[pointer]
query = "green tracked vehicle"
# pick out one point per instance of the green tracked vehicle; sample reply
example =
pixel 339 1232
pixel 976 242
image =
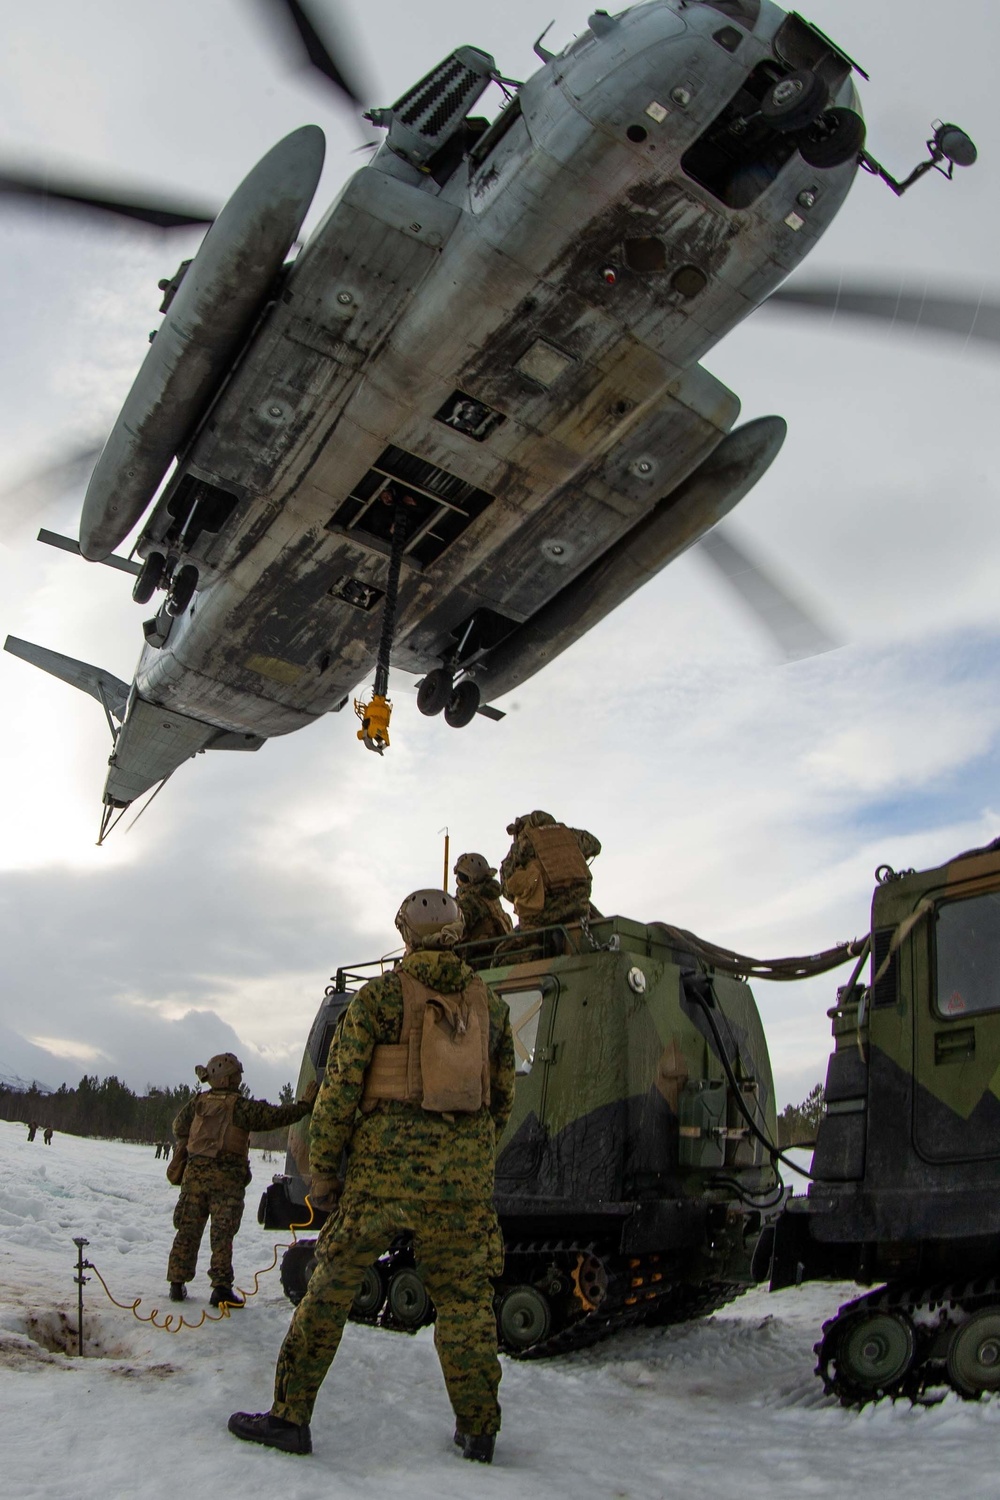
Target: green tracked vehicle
pixel 906 1170
pixel 630 1185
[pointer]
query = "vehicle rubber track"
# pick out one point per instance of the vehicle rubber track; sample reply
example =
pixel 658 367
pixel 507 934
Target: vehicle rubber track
pixel 903 1341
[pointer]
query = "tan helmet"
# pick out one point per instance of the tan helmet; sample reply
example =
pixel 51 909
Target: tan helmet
pixel 430 919
pixel 222 1069
pixel 536 819
pixel 473 867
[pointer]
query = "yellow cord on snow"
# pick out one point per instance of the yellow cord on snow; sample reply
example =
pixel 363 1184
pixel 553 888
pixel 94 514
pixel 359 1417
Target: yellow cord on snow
pixel 174 1322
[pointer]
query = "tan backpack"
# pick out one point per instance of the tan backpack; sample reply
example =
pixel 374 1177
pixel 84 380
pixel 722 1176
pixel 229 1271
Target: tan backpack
pixel 442 1059
pixel 213 1131
pixel 558 863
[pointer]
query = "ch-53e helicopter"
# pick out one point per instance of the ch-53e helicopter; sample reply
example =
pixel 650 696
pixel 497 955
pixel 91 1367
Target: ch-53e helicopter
pixel 469 418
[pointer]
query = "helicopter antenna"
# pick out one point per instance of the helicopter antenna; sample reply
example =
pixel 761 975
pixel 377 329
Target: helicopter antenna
pixel 444 881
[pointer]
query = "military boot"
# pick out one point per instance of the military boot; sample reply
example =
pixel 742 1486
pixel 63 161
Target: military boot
pixel 178 1291
pixel 225 1294
pixel 477 1446
pixel 273 1432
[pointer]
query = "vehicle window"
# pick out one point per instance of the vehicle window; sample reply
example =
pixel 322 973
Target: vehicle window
pixel 967 945
pixel 525 1007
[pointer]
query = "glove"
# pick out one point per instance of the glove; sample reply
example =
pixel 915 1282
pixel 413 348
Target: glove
pixel 310 1091
pixel 324 1192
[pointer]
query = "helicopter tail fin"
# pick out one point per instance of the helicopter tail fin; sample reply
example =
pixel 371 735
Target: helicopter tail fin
pixel 109 690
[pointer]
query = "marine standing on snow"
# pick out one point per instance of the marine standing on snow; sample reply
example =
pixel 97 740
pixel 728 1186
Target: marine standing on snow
pixel 418 1087
pixel 212 1165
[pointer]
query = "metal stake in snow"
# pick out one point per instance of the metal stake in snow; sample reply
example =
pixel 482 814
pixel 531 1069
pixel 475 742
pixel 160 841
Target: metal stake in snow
pixel 81 1281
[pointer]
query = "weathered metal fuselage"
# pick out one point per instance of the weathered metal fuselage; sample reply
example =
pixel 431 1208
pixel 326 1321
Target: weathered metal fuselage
pixel 519 344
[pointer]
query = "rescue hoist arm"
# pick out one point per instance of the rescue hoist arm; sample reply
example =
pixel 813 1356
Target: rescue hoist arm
pixel 376 713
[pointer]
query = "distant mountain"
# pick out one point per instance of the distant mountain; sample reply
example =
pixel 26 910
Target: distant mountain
pixel 15 1081
pixel 22 1062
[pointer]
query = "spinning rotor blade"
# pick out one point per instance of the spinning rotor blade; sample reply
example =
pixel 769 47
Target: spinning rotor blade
pixel 321 53
pixel 159 213
pixel 20 501
pixel 966 317
pixel 796 631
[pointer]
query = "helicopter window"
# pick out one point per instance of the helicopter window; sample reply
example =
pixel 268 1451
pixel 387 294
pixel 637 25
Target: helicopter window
pixel 525 1008
pixel 739 156
pixel 647 254
pixel 468 416
pixel 743 12
pixel 443 505
pixel 967 948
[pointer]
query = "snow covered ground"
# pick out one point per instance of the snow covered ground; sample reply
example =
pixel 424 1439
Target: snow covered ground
pixel 725 1407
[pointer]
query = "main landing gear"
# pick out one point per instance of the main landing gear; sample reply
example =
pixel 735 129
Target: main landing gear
pixel 158 572
pixel 459 701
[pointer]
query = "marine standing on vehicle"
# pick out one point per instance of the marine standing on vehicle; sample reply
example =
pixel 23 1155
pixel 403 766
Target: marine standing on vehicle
pixel 212 1166
pixel 478 896
pixel 419 1084
pixel 545 872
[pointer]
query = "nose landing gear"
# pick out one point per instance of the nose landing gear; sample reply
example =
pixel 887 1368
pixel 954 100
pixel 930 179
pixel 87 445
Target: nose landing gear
pixel 439 692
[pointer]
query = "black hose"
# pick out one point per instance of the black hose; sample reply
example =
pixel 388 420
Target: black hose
pixel 399 533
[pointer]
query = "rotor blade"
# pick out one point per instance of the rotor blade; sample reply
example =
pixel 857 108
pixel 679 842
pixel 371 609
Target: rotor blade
pixel 789 623
pixel 24 498
pixel 162 214
pixel 963 316
pixel 321 52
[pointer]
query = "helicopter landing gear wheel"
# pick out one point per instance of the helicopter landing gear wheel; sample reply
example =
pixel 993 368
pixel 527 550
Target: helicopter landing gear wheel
pixel 794 101
pixel 408 1300
pixel 974 1354
pixel 297 1266
pixel 872 1354
pixel 182 589
pixel 371 1294
pixel 838 136
pixel 435 692
pixel 464 703
pixel 524 1317
pixel 148 581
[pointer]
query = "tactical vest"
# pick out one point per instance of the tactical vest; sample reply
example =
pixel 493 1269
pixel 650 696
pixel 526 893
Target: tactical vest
pixel 558 863
pixel 491 922
pixel 212 1130
pixel 442 1059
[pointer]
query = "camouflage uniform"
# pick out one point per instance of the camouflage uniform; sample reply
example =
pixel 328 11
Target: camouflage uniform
pixel 407 1169
pixel 570 903
pixel 214 1187
pixel 479 901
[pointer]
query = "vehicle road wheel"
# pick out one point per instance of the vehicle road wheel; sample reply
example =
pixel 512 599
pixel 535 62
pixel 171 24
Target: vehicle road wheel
pixel 794 101
pixel 838 136
pixel 408 1299
pixel 148 581
pixel 464 703
pixel 524 1317
pixel 974 1354
pixel 297 1266
pixel 874 1352
pixel 182 589
pixel 434 693
pixel 371 1295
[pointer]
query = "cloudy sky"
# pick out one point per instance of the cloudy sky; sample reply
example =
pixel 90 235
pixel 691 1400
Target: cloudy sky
pixel 746 799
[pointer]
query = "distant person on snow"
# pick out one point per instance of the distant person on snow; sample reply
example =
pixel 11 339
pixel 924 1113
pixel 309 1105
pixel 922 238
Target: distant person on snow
pixel 212 1166
pixel 32 1130
pixel 47 1137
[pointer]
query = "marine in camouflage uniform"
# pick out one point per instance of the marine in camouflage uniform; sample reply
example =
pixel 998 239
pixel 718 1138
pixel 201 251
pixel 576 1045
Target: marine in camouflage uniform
pixel 539 901
pixel 214 1186
pixel 478 897
pixel 407 1169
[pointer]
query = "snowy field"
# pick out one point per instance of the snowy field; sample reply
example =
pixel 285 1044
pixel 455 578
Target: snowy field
pixel 725 1407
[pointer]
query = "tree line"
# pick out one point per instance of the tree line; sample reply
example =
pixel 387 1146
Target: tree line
pixel 109 1109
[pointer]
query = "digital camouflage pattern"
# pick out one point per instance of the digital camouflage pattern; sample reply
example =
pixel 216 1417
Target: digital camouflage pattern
pixel 570 903
pixel 406 1169
pixel 479 901
pixel 458 1247
pixel 215 1188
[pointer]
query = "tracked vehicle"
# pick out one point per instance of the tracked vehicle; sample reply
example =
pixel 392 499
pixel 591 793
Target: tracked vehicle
pixel 630 1187
pixel 906 1170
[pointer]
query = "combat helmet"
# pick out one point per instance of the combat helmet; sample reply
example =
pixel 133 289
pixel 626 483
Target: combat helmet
pixel 222 1069
pixel 430 919
pixel 536 819
pixel 473 867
